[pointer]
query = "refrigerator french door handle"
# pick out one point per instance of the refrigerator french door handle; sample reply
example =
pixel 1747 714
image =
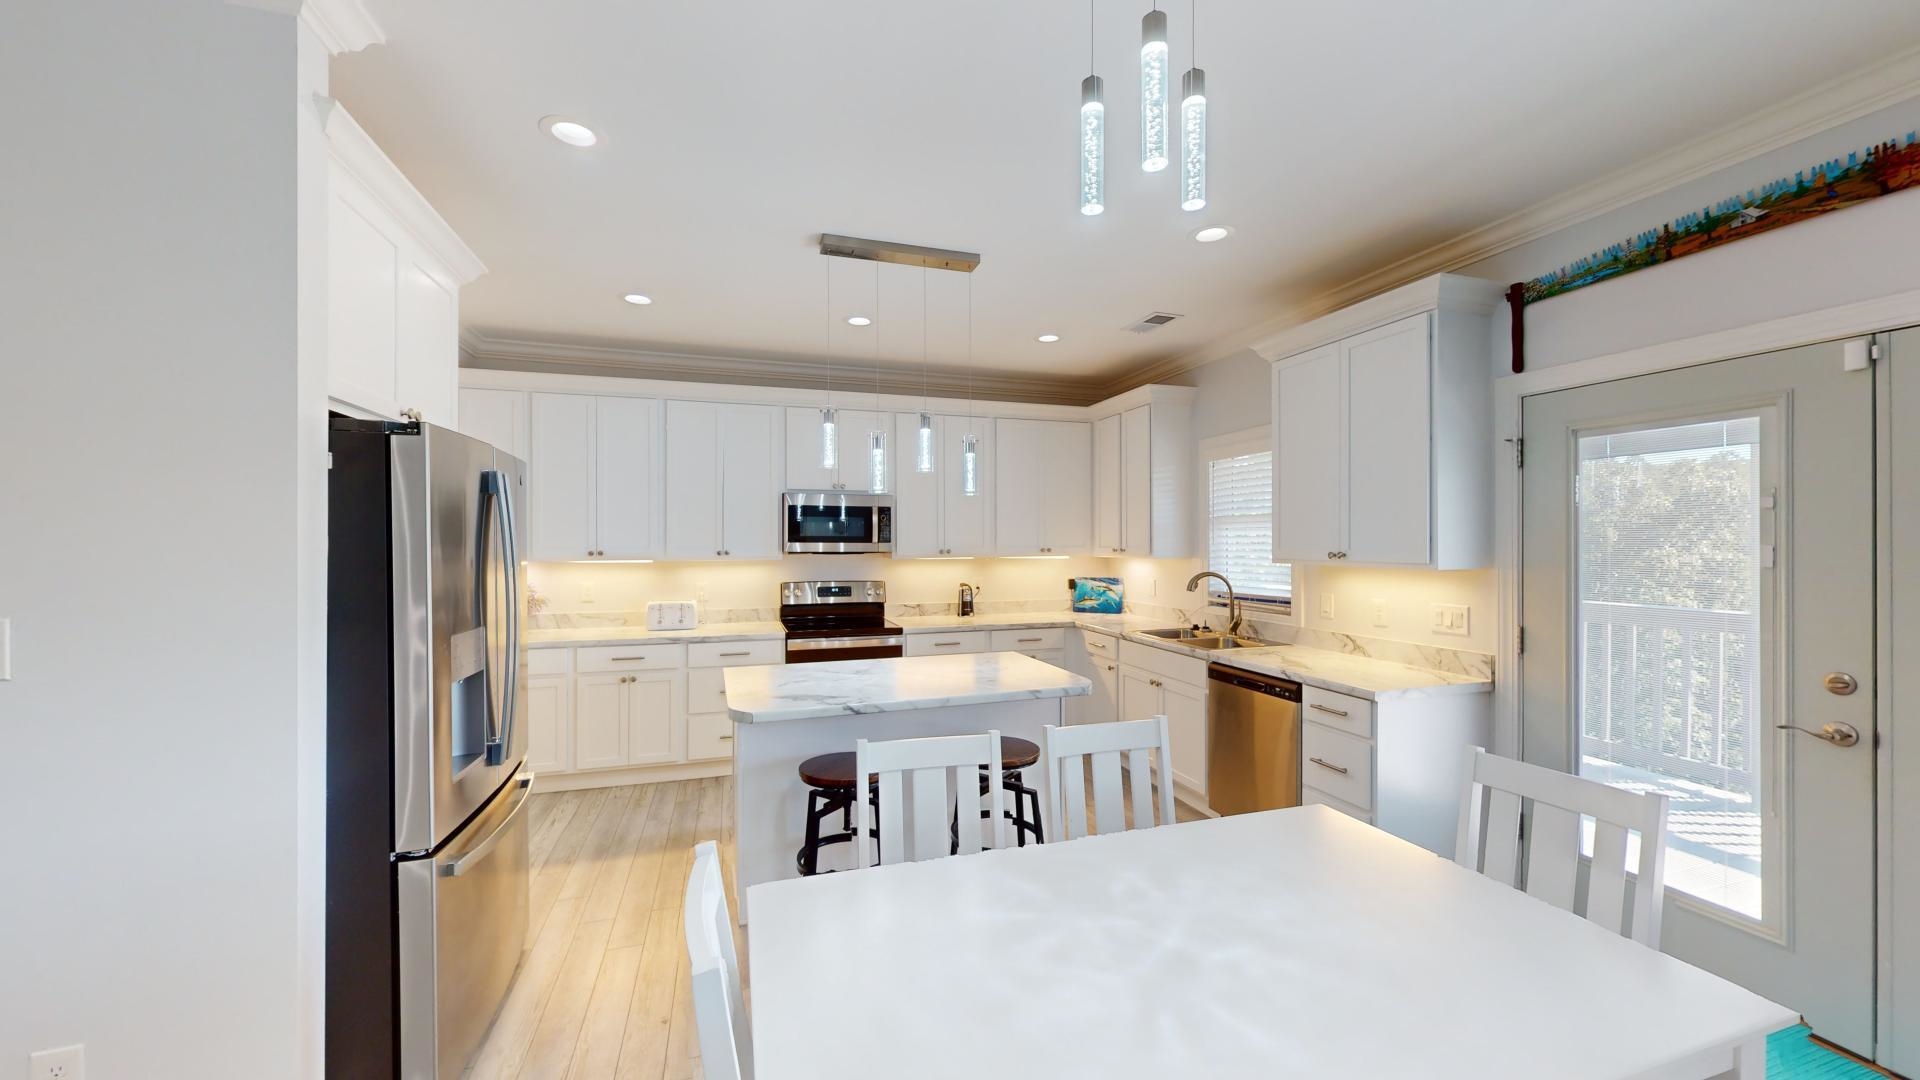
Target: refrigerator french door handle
pixel 497 514
pixel 497 755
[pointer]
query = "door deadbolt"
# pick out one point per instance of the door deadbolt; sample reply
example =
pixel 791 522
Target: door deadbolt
pixel 1840 683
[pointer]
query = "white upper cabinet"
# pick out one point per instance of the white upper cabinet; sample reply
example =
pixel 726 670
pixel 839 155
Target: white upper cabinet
pixel 593 478
pixel 933 515
pixel 394 272
pixel 1381 430
pixel 498 417
pixel 1143 474
pixel 723 480
pixel 1043 487
pixel 854 465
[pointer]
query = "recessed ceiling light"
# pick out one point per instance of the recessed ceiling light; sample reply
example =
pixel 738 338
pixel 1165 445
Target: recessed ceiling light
pixel 859 320
pixel 571 132
pixel 1049 338
pixel 640 299
pixel 1213 233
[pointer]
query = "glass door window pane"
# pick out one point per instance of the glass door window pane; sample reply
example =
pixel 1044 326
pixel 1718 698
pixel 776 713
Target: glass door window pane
pixel 1670 643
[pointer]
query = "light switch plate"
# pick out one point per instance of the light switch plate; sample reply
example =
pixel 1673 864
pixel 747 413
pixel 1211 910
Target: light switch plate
pixel 1326 605
pixel 1379 608
pixel 1451 619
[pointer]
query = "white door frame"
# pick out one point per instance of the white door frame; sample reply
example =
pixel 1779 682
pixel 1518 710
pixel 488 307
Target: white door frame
pixel 1889 312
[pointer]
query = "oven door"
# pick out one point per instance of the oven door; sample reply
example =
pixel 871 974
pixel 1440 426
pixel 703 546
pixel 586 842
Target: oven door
pixel 852 647
pixel 834 523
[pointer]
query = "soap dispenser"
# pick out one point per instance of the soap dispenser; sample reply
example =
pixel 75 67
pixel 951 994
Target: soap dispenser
pixel 967 593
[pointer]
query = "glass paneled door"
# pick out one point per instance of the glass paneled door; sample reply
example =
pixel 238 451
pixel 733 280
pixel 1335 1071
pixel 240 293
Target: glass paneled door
pixel 1697 561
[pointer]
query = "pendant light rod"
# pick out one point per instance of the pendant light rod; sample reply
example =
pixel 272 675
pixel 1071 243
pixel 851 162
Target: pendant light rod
pixel 853 247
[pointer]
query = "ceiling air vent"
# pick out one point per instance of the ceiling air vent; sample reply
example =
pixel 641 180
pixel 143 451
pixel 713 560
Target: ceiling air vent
pixel 1152 322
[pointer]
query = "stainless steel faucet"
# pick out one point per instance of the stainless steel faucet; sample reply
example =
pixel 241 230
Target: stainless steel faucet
pixel 1233 602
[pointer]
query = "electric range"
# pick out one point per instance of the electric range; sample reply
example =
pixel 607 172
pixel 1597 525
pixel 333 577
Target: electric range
pixel 837 620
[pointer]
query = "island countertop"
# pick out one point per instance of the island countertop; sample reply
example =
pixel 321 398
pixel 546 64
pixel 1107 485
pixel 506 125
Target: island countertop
pixel 759 695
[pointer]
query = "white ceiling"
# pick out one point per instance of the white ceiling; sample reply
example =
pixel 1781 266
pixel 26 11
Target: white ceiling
pixel 1343 137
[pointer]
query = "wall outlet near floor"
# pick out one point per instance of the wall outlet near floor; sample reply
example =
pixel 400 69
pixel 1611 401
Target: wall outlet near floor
pixel 1379 610
pixel 1326 605
pixel 65 1063
pixel 1451 619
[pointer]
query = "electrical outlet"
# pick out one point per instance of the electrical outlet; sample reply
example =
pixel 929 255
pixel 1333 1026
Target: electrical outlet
pixel 586 592
pixel 65 1063
pixel 1451 619
pixel 1379 611
pixel 700 592
pixel 1326 605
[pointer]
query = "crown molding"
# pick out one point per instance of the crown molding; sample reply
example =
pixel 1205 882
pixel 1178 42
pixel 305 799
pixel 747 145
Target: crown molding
pixel 1828 105
pixel 487 350
pixel 357 153
pixel 343 26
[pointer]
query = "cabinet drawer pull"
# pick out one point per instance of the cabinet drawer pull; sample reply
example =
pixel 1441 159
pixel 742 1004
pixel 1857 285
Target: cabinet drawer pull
pixel 623 659
pixel 726 738
pixel 1341 769
pixel 1109 667
pixel 1092 644
pixel 1031 640
pixel 1155 682
pixel 1328 709
pixel 724 655
pixel 946 644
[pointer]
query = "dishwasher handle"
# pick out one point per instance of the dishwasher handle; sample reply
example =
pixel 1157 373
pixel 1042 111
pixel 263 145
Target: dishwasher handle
pixel 1284 689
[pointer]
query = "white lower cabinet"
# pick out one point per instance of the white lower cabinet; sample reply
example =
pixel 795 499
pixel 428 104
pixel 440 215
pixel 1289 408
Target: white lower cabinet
pixel 600 721
pixel 549 723
pixel 1095 656
pixel 628 719
pixel 1385 762
pixel 709 728
pixel 1155 682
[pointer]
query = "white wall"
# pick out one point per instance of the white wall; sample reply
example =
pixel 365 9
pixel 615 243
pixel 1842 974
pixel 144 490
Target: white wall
pixel 151 554
pixel 1858 253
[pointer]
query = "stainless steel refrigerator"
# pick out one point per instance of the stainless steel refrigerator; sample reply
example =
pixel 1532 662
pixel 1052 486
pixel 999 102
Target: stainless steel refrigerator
pixel 426 794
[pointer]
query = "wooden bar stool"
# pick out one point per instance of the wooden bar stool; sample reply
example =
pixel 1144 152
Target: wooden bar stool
pixel 1016 754
pixel 829 780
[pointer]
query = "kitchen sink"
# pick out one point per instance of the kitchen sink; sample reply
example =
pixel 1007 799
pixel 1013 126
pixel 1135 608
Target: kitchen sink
pixel 1210 640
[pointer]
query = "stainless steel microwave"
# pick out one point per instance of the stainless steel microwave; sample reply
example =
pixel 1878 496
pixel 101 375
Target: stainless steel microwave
pixel 837 523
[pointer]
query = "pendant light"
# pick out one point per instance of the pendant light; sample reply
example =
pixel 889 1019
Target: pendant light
pixel 969 442
pixel 1093 134
pixel 829 421
pixel 877 438
pixel 1193 130
pixel 1153 91
pixel 923 447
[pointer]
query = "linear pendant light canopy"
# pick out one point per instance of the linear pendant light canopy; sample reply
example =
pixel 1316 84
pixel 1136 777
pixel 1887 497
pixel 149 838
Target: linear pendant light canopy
pixel 853 247
pixel 1153 91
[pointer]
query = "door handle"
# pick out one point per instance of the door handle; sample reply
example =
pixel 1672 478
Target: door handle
pixel 1837 733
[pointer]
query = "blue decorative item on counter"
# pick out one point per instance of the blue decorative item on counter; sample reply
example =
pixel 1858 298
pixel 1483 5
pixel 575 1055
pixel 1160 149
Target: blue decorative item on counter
pixel 1098 595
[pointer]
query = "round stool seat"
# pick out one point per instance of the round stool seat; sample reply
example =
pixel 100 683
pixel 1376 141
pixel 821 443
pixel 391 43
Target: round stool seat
pixel 833 771
pixel 1014 753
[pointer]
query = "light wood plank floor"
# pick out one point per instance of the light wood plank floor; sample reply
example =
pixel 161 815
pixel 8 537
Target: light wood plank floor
pixel 603 992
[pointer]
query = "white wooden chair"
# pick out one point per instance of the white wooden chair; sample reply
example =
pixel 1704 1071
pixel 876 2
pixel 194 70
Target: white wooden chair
pixel 1553 839
pixel 1067 747
pixel 940 776
pixel 719 1013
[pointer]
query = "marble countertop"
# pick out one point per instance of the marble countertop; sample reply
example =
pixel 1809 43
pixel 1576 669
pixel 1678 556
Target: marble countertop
pixel 767 694
pixel 1026 620
pixel 639 635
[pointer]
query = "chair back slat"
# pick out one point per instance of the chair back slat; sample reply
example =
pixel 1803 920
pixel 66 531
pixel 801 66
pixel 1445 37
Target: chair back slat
pixel 1607 877
pixel 1109 812
pixel 1560 800
pixel 1071 751
pixel 719 1009
pixel 1502 862
pixel 1553 855
pixel 925 781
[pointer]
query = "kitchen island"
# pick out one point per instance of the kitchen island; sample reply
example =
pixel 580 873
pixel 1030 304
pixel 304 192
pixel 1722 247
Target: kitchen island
pixel 785 714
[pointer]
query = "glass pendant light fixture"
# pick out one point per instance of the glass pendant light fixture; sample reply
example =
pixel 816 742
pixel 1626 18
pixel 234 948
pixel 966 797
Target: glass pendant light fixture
pixel 923 446
pixel 1193 127
pixel 1093 134
pixel 1153 91
pixel 969 442
pixel 829 426
pixel 877 438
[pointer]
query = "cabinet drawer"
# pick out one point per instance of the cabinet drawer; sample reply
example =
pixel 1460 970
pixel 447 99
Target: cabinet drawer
pixel 1310 796
pixel 1338 711
pixel 709 736
pixel 1338 764
pixel 707 690
pixel 549 661
pixel 630 657
pixel 1100 646
pixel 736 653
pixel 970 641
pixel 1171 665
pixel 1042 637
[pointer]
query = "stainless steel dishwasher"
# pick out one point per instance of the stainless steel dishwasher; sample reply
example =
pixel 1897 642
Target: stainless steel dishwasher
pixel 1253 741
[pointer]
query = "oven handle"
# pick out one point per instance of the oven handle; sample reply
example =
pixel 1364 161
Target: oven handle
pixel 807 644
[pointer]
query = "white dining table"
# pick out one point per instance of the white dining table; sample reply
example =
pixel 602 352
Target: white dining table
pixel 1294 942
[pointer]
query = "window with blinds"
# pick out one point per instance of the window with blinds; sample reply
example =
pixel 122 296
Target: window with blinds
pixel 1240 530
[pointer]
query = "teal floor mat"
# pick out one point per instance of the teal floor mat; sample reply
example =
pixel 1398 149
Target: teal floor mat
pixel 1791 1055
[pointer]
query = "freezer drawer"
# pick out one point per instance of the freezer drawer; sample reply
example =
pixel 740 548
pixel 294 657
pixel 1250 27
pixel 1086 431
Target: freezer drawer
pixel 463 928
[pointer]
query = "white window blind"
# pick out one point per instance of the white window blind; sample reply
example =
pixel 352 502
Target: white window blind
pixel 1240 529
